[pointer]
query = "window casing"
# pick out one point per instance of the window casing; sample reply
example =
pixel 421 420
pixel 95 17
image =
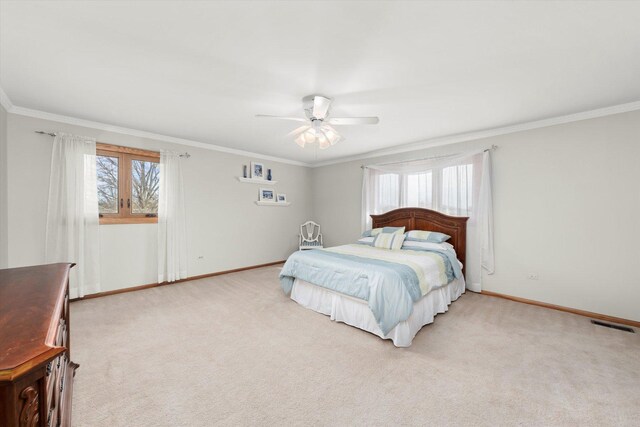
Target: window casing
pixel 128 184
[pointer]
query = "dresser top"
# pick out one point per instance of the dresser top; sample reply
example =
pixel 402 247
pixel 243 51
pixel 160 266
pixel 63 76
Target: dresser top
pixel 31 299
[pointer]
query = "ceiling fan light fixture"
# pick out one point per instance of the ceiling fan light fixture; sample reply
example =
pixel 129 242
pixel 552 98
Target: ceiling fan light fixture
pixel 332 136
pixel 300 140
pixel 323 143
pixel 323 140
pixel 317 127
pixel 309 136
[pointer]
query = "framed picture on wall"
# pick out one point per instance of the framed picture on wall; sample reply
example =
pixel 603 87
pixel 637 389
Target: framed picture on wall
pixel 257 170
pixel 281 198
pixel 267 195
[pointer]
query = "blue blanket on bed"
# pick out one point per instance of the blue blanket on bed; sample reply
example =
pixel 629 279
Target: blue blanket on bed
pixel 390 288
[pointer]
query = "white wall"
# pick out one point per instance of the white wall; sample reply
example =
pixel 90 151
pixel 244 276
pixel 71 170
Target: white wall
pixel 3 188
pixel 566 202
pixel 224 225
pixel 566 206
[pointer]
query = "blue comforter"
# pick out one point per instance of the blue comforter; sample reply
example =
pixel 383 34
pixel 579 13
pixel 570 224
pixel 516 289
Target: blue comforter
pixel 389 280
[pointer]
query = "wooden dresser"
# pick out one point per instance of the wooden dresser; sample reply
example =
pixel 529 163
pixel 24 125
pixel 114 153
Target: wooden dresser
pixel 36 372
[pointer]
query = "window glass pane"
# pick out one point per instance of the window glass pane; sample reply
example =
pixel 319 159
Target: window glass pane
pixel 144 187
pixel 419 190
pixel 107 177
pixel 388 192
pixel 457 189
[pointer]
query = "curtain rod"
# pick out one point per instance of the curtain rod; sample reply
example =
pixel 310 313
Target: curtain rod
pixel 54 134
pixel 492 148
pixel 46 133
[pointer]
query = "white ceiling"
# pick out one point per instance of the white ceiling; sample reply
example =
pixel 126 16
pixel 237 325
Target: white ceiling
pixel 202 70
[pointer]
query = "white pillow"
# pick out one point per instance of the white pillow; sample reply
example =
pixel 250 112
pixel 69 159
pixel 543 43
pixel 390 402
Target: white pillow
pixel 366 241
pixel 372 233
pixel 389 240
pixel 411 244
pixel 427 236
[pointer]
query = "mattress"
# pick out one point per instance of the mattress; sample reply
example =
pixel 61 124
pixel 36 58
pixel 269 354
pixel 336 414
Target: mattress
pixel 356 312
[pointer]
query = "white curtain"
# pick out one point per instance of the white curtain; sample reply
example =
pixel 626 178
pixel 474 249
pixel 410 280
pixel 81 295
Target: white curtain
pixel 72 230
pixel 172 236
pixel 458 185
pixel 485 216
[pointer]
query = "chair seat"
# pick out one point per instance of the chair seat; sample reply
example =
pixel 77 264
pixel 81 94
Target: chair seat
pixel 311 245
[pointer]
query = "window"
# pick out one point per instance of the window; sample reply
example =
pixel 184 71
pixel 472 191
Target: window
pixel 144 186
pixel 457 190
pixel 128 184
pixel 447 189
pixel 420 190
pixel 107 177
pixel 389 192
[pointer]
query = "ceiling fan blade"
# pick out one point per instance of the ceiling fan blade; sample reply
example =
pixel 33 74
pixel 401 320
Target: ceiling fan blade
pixel 353 120
pixel 298 130
pixel 267 116
pixel 326 128
pixel 320 106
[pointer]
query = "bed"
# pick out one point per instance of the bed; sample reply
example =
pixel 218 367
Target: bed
pixel 389 293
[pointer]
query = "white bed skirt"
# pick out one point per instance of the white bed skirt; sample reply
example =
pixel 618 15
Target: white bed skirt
pixel 356 312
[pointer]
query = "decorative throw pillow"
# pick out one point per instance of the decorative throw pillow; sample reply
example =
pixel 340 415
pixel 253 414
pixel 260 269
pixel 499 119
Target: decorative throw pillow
pixel 389 241
pixel 399 230
pixel 366 241
pixel 372 233
pixel 426 236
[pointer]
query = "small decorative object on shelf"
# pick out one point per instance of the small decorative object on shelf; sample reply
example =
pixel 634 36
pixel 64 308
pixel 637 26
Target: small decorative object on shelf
pixel 257 170
pixel 281 198
pixel 267 195
pixel 244 171
pixel 269 174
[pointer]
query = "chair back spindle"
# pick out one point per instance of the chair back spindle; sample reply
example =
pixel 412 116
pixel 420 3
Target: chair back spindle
pixel 310 236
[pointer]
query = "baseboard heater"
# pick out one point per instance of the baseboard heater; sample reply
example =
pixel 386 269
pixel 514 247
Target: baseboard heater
pixel 612 326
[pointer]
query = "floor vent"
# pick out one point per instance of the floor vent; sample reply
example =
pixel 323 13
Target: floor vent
pixel 612 326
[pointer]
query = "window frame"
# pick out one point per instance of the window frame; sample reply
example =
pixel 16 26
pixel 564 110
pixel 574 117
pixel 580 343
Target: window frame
pixel 125 157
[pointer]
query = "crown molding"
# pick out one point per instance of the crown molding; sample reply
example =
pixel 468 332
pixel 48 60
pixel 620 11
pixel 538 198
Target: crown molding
pixel 5 101
pixel 13 109
pixel 404 148
pixel 486 133
pixel 150 135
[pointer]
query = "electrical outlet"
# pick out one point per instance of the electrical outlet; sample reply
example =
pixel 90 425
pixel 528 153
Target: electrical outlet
pixel 532 276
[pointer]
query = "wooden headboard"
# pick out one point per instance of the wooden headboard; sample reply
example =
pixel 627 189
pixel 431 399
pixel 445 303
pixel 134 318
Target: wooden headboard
pixel 425 219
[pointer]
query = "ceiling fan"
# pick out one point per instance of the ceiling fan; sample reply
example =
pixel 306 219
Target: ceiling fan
pixel 317 127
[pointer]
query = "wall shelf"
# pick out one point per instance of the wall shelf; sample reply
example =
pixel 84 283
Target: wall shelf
pixel 264 203
pixel 256 181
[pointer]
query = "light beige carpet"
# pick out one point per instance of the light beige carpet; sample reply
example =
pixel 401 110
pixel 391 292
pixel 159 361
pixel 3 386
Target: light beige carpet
pixel 233 350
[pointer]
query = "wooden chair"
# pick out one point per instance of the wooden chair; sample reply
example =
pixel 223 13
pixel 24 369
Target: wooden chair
pixel 310 237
